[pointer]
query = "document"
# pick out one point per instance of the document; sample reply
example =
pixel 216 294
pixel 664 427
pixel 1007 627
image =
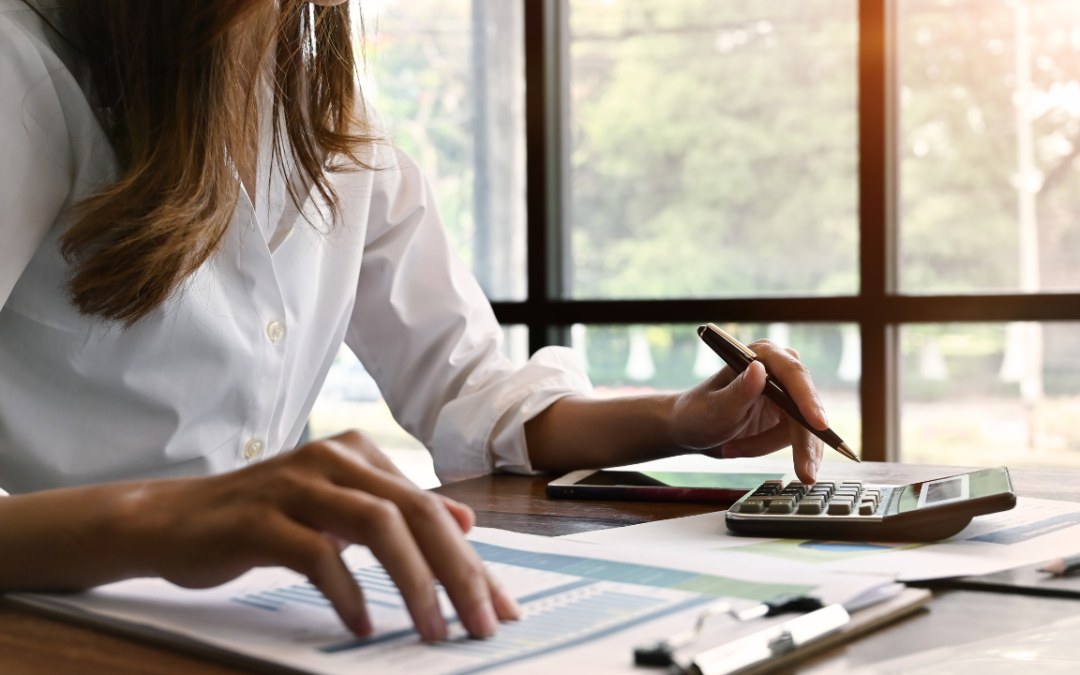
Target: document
pixel 1034 531
pixel 1047 650
pixel 584 609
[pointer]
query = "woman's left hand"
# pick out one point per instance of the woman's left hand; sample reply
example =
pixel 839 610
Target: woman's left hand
pixel 728 416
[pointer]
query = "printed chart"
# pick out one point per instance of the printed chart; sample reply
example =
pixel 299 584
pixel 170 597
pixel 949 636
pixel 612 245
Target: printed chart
pixel 582 606
pixel 584 599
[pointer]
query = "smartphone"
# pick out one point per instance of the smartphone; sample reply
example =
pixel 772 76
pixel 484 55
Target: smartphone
pixel 658 486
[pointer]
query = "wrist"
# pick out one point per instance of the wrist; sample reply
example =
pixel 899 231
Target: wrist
pixel 669 421
pixel 126 526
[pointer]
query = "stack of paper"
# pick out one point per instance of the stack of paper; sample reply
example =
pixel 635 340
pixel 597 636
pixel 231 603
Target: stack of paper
pixel 1035 531
pixel 585 608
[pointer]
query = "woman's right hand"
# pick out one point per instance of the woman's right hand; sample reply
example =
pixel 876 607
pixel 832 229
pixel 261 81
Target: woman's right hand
pixel 293 510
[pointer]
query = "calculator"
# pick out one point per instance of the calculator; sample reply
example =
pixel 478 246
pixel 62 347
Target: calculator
pixel 857 511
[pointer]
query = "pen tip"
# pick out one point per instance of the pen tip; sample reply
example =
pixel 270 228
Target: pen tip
pixel 846 452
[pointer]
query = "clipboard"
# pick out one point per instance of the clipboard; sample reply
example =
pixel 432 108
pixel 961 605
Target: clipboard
pixel 807 635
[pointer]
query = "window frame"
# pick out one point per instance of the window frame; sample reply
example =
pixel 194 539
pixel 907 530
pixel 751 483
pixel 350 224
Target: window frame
pixel 878 309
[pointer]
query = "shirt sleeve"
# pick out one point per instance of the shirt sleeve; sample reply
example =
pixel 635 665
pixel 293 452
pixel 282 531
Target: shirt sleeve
pixel 425 331
pixel 36 154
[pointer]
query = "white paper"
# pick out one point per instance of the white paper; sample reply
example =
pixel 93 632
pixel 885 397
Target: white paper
pixel 1034 531
pixel 585 608
pixel 1046 650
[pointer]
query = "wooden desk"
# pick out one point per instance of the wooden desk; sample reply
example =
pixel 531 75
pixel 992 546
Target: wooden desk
pixel 34 645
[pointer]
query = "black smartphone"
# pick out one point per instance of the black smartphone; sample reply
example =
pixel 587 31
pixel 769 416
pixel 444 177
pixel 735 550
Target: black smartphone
pixel 658 486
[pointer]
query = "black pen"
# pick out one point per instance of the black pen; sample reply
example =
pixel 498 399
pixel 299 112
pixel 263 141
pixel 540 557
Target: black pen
pixel 739 357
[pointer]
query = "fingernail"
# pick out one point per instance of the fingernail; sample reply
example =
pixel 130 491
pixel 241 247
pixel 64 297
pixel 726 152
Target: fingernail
pixel 511 608
pixel 434 628
pixel 823 416
pixel 362 626
pixel 811 470
pixel 484 622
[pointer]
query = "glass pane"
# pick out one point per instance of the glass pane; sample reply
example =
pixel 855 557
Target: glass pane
pixel 629 360
pixel 991 394
pixel 448 81
pixel 714 148
pixel 990 141
pixel 350 399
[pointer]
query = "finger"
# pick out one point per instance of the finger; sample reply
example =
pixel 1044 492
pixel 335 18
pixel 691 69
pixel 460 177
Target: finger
pixel 450 557
pixel 786 368
pixel 378 524
pixel 360 445
pixel 807 451
pixel 506 607
pixel 453 560
pixel 316 557
pixel 736 399
pixel 462 513
pixel 772 439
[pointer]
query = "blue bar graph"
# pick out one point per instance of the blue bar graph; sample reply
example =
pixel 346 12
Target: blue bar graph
pixel 586 599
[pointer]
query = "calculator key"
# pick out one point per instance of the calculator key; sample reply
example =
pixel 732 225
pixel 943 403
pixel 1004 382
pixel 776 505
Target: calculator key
pixel 782 505
pixel 851 483
pixel 867 508
pixel 811 507
pixel 841 507
pixel 752 506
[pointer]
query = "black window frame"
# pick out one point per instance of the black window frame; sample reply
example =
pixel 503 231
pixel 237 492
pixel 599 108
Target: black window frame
pixel 878 309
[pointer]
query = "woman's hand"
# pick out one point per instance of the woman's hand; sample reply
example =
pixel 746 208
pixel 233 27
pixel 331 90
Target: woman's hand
pixel 728 416
pixel 294 510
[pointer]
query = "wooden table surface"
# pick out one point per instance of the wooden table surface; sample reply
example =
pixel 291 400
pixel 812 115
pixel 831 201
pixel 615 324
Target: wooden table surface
pixel 31 644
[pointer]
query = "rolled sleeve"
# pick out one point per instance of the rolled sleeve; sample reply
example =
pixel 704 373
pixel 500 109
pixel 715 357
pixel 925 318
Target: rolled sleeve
pixel 483 431
pixel 424 330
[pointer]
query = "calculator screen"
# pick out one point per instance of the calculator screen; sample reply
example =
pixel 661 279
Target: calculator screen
pixel 953 489
pixel 944 491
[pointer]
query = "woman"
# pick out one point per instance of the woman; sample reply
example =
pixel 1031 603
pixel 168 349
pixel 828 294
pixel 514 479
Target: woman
pixel 197 210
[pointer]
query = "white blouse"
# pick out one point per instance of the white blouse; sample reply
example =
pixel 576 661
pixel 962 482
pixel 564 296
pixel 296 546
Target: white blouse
pixel 226 372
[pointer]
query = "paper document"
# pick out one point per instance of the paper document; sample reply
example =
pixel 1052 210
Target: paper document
pixel 584 609
pixel 1034 531
pixel 1047 650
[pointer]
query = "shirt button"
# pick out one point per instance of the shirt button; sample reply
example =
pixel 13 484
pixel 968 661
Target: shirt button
pixel 253 448
pixel 275 330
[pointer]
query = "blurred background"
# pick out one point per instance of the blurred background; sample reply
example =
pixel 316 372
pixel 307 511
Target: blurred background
pixel 712 151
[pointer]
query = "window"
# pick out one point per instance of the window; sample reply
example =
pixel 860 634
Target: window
pixel 893 186
pixel 447 78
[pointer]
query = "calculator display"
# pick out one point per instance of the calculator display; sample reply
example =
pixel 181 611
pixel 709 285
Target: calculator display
pixel 953 489
pixel 945 491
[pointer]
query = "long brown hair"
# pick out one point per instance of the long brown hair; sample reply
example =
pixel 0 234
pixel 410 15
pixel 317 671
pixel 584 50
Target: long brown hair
pixel 177 79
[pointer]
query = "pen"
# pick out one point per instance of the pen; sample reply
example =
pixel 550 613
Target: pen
pixel 739 357
pixel 1062 566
